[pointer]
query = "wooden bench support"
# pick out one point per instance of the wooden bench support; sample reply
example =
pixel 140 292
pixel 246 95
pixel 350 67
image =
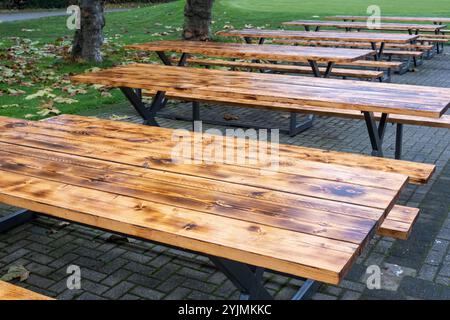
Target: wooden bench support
pixel 15 219
pixel 12 292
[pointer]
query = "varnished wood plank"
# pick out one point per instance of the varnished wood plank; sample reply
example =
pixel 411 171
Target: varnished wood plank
pixel 364 25
pixel 56 168
pixel 392 18
pixel 399 222
pixel 11 292
pixel 282 250
pixel 325 35
pixel 229 85
pixel 338 72
pixel 418 172
pixel 250 51
pixel 150 154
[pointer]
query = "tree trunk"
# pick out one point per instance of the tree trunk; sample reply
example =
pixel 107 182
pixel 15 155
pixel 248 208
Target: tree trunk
pixel 197 20
pixel 89 39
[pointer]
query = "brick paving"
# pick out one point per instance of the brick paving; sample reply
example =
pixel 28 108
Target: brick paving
pixel 118 268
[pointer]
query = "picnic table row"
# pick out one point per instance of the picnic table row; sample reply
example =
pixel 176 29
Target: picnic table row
pixel 310 216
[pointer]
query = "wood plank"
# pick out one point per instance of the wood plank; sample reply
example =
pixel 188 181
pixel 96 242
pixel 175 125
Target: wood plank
pixel 364 25
pixel 379 97
pixel 418 172
pixel 341 44
pixel 282 250
pixel 9 291
pixel 150 154
pixel 399 222
pixel 355 73
pixel 250 51
pixel 56 167
pixel 392 18
pixel 325 35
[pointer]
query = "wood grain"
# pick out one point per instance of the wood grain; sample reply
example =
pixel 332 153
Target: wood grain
pixel 291 158
pixel 253 51
pixel 392 18
pixel 399 223
pixel 9 291
pixel 364 25
pixel 325 35
pixel 229 86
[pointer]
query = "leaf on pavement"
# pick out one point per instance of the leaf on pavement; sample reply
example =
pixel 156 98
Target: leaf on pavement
pixel 16 272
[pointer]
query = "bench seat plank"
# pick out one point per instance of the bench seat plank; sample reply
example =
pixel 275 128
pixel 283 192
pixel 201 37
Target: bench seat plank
pixel 398 224
pixel 231 86
pixel 11 292
pixel 366 74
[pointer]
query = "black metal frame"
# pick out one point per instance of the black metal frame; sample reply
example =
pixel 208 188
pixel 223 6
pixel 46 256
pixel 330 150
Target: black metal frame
pixel 247 278
pixel 376 133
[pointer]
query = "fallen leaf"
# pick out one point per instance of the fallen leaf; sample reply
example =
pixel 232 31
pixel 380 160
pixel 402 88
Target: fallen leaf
pixel 16 272
pixel 228 117
pixel 64 100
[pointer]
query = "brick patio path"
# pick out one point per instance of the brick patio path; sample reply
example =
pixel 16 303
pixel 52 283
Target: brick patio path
pixel 418 268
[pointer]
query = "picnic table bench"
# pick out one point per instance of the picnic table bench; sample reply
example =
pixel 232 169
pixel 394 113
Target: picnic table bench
pixel 435 20
pixel 348 26
pixel 272 91
pixel 9 291
pixel 305 218
pixel 376 40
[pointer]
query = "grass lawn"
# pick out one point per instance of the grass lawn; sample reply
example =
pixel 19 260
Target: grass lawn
pixel 34 71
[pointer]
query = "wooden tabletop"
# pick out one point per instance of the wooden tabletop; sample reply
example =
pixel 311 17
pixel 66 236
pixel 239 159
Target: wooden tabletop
pixel 389 18
pixel 254 51
pixel 363 25
pixel 326 35
pixel 11 292
pixel 309 219
pixel 230 86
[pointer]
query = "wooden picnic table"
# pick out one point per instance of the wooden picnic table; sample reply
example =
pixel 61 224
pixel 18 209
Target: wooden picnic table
pixel 411 28
pixel 377 40
pixel 305 218
pixel 436 20
pixel 312 55
pixel 271 91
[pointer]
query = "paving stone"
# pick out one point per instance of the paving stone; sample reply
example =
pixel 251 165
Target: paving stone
pixel 351 295
pixel 179 293
pixel 321 296
pixel 119 290
pixel 428 272
pixel 147 293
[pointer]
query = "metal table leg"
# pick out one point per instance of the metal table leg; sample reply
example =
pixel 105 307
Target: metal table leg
pixel 147 113
pixel 399 141
pixel 376 133
pixel 249 280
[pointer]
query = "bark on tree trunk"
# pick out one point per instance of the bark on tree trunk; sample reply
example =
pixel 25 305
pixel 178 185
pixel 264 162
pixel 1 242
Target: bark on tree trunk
pixel 197 20
pixel 89 39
